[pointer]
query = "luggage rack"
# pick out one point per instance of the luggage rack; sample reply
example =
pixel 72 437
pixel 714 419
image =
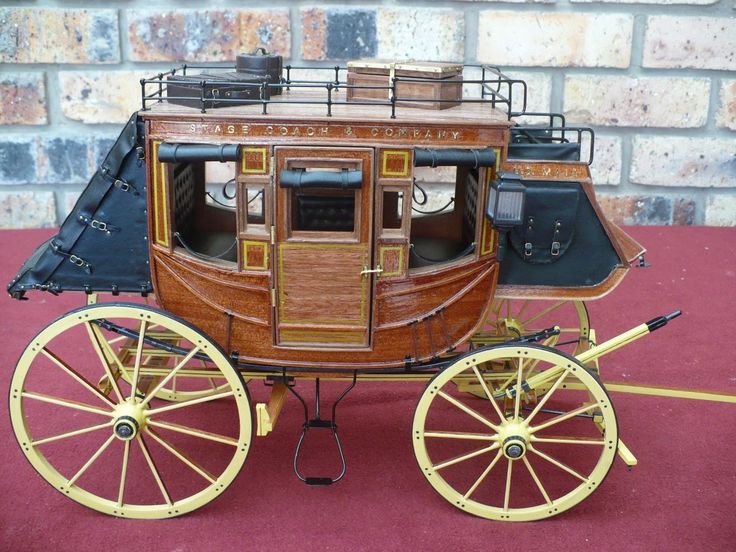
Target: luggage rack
pixel 496 89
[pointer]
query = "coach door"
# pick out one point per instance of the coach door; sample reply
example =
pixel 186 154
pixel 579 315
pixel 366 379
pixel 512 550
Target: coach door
pixel 324 277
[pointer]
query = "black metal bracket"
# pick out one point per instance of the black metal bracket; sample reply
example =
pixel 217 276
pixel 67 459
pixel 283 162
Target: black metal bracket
pixel 319 423
pixel 539 336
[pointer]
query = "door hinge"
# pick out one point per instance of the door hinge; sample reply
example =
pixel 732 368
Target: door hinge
pixel 273 235
pixel 273 297
pixel 272 168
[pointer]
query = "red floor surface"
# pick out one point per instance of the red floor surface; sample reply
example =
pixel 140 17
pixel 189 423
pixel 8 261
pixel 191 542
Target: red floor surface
pixel 682 496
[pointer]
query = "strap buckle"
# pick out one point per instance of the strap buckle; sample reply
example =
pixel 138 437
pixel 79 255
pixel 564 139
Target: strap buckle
pixel 99 225
pixel 77 260
pixel 122 184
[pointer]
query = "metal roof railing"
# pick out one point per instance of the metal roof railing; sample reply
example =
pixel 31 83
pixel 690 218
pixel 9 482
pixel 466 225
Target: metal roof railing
pixel 495 89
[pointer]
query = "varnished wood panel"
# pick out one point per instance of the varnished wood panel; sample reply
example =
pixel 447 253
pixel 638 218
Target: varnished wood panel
pixel 222 295
pixel 320 283
pixel 440 328
pixel 631 248
pixel 345 132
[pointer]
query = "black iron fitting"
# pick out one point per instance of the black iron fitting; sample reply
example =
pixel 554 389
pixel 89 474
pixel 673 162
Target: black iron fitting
pixel 660 321
pixel 539 336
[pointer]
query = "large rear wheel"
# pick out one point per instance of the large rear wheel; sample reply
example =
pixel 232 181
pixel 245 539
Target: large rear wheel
pixel 121 450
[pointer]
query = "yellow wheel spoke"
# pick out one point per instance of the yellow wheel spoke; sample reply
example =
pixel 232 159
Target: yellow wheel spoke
pixel 483 475
pixel 194 432
pixel 517 398
pixel 546 397
pixel 543 313
pixel 488 393
pixel 170 375
pixel 91 461
pixel 77 376
pixel 559 464
pixel 95 338
pixel 563 417
pixel 66 403
pixel 465 457
pixel 469 411
pixel 507 491
pixel 167 408
pixel 568 440
pixel 536 480
pixel 181 456
pixel 138 355
pixel 123 473
pixel 81 431
pixel 154 471
pixel 458 435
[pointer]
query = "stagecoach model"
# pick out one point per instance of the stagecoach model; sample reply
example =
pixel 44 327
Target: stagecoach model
pixel 291 226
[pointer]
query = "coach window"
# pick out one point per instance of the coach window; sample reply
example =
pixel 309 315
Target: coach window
pixel 204 201
pixel 394 209
pixel 443 215
pixel 254 207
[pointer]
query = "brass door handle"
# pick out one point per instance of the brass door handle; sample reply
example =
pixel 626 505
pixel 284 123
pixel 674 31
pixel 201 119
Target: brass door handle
pixel 367 270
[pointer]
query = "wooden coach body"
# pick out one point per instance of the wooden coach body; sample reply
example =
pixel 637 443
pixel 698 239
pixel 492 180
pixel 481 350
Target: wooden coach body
pixel 340 297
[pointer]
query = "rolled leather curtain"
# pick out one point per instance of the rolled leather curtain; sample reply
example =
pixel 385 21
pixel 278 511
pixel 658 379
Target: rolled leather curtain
pixel 321 179
pixel 566 151
pixel 189 153
pixel 475 158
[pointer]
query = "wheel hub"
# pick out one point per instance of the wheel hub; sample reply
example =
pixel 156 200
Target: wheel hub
pixel 129 421
pixel 514 438
pixel 514 447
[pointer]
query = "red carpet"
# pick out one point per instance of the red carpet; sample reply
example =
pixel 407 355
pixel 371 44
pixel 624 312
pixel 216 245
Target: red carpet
pixel 682 496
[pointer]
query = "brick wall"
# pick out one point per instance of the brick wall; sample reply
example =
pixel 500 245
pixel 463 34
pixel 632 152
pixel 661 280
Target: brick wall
pixel 656 78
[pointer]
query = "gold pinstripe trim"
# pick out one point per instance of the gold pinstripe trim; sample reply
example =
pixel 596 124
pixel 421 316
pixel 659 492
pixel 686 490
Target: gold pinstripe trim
pixel 488 237
pixel 384 162
pixel 160 206
pixel 323 336
pixel 263 169
pixel 253 243
pixel 383 249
